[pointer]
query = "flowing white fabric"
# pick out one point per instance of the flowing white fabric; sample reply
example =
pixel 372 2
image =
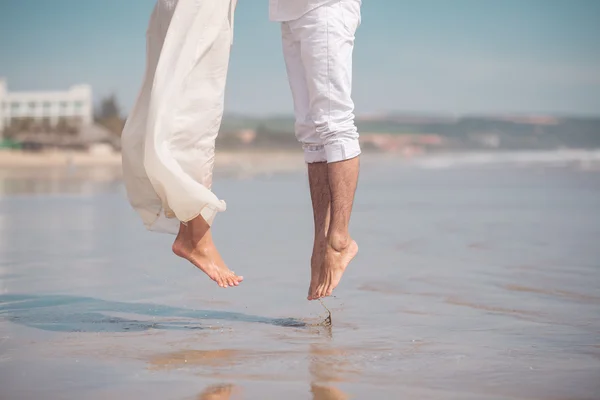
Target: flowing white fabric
pixel 168 143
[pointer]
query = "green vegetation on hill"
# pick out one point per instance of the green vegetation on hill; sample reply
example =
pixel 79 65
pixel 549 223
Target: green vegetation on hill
pixel 468 132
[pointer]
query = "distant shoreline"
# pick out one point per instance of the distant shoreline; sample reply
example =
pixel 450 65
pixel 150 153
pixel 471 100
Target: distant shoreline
pixel 243 162
pixel 24 159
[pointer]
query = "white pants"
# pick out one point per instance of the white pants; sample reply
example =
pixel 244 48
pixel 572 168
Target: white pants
pixel 317 48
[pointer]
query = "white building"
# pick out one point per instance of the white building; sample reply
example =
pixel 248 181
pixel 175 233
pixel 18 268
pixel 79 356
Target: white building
pixel 74 104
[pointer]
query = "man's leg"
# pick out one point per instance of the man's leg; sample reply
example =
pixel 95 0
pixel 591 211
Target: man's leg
pixel 327 42
pixel 321 200
pixel 314 151
pixel 341 248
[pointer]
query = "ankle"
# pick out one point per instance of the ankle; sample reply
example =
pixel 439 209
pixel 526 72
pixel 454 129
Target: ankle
pixel 180 247
pixel 339 241
pixel 320 237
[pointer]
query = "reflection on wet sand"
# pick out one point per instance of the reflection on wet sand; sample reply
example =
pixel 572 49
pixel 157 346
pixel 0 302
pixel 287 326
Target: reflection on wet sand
pixel 500 310
pixel 209 358
pixel 554 292
pixel 328 365
pixel 389 288
pixel 327 393
pixel 217 392
pixel 222 363
pixel 414 312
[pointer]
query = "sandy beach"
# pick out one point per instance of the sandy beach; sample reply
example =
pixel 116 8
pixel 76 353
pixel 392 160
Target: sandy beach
pixel 75 171
pixel 471 283
pixel 274 161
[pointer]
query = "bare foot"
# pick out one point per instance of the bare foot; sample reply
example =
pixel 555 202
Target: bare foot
pixel 316 264
pixel 336 260
pixel 204 255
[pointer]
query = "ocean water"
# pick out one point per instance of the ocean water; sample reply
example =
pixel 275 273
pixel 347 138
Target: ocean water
pixel 478 277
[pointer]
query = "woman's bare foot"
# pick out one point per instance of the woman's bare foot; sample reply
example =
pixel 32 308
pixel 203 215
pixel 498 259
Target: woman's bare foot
pixel 338 255
pixel 194 243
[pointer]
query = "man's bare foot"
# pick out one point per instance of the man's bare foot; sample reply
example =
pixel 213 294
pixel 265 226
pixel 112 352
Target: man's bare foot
pixel 316 264
pixel 204 255
pixel 337 258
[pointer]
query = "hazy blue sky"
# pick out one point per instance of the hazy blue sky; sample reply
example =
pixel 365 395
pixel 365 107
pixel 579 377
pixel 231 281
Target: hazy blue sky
pixel 452 56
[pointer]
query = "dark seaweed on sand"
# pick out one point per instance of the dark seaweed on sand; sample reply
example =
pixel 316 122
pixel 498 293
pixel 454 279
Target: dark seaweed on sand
pixel 327 321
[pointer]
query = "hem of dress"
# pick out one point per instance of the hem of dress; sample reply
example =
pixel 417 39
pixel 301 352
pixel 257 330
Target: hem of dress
pixel 213 211
pixel 160 223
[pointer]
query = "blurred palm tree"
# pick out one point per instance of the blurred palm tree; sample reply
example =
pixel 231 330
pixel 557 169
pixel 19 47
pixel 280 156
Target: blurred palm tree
pixel 109 115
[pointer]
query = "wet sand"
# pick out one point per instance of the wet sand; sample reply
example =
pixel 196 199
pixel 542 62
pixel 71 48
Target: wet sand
pixel 471 283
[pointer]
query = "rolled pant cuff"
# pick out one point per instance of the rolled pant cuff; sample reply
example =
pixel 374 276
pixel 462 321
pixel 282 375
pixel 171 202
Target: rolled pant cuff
pixel 342 151
pixel 314 153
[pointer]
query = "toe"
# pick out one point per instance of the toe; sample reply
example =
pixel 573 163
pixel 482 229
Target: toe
pixel 315 293
pixel 312 292
pixel 231 279
pixel 319 292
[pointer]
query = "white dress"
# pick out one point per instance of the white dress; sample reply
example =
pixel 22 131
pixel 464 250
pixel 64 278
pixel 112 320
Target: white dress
pixel 168 143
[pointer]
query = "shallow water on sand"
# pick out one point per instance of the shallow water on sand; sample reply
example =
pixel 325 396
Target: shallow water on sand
pixel 471 283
